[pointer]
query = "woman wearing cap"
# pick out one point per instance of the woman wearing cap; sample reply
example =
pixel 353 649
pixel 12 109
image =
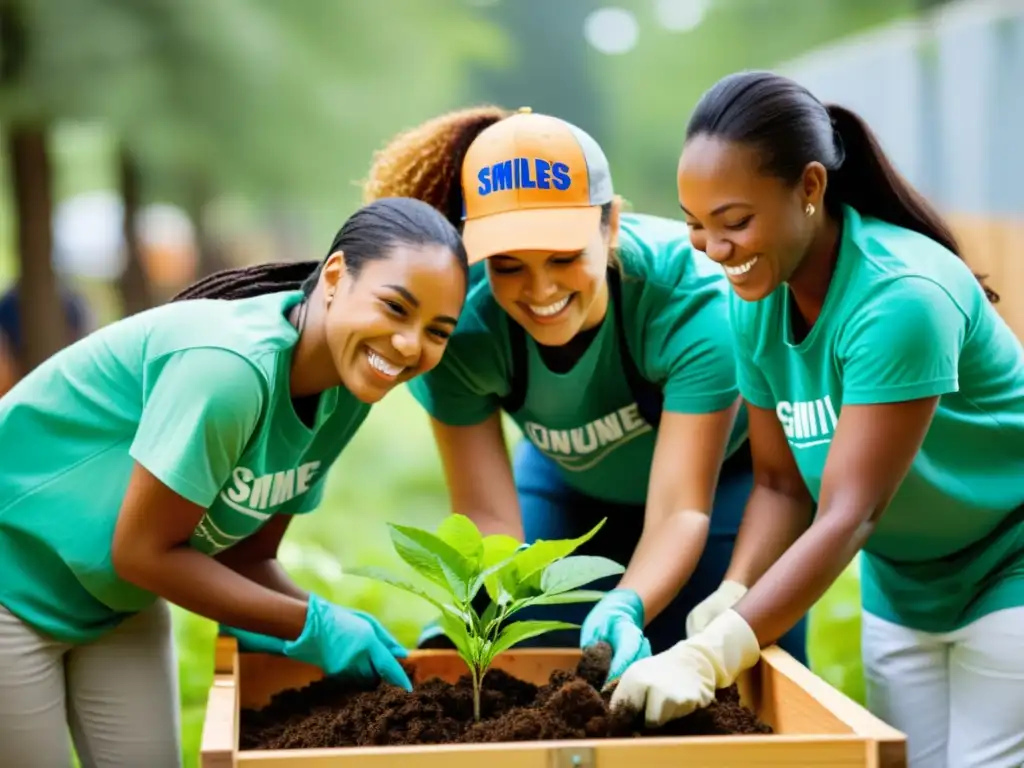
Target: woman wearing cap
pixel 604 336
pixel 881 385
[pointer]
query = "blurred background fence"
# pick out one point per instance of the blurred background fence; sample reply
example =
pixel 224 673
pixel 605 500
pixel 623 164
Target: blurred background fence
pixel 146 144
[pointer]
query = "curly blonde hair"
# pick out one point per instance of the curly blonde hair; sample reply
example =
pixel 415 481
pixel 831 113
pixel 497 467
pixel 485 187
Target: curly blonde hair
pixel 425 162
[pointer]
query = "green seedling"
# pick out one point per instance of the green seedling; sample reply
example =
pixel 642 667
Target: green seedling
pixel 456 562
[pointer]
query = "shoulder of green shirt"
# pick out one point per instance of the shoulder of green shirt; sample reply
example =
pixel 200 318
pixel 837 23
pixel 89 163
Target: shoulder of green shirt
pixel 675 306
pixel 250 327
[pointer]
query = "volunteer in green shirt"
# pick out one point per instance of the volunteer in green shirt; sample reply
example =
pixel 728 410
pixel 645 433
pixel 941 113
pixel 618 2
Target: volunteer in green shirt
pixel 603 335
pixel 883 386
pixel 162 457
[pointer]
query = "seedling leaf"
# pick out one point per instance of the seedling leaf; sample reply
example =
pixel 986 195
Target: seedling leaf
pixel 432 556
pixel 460 561
pixel 542 553
pixel 577 571
pixel 458 633
pixel 562 598
pixel 459 532
pixel 379 574
pixel 524 630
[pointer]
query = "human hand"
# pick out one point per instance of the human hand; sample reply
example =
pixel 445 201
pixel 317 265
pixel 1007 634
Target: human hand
pixel 349 643
pixel 722 599
pixel 684 678
pixel 618 619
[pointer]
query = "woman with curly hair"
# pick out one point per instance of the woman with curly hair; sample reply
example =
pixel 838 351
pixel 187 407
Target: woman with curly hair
pixel 604 336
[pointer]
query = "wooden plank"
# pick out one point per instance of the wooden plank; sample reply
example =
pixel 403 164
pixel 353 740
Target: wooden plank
pixel 795 700
pixel 219 740
pixel 792 682
pixel 816 725
pixel 225 655
pixel 701 752
pixel 264 674
pixel 994 246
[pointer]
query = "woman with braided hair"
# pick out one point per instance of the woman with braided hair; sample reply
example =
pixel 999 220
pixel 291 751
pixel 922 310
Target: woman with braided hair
pixel 600 333
pixel 161 458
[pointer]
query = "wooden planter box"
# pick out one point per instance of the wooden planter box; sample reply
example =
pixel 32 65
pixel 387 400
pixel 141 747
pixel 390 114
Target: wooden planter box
pixel 815 725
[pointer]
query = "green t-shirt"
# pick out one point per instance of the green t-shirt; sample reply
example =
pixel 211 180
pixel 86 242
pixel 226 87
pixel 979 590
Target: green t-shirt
pixel 675 307
pixel 904 318
pixel 197 393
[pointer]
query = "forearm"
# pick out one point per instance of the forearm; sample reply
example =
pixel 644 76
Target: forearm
pixel 486 494
pixel 665 558
pixel 772 522
pixel 492 524
pixel 802 575
pixel 209 588
pixel 270 574
pixel 492 505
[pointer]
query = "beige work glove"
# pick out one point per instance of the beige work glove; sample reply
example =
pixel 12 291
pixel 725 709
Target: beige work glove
pixel 684 678
pixel 722 599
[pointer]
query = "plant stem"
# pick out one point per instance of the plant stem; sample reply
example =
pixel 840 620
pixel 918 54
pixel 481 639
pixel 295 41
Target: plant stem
pixel 477 681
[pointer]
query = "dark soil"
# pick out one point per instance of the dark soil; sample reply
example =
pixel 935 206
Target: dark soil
pixel 330 714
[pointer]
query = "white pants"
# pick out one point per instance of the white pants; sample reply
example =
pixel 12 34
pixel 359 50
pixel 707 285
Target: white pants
pixel 958 696
pixel 117 695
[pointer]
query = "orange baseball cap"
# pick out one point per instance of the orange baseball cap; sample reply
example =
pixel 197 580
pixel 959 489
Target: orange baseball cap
pixel 532 182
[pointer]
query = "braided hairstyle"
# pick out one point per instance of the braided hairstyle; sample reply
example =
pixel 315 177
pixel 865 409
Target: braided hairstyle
pixel 369 234
pixel 425 162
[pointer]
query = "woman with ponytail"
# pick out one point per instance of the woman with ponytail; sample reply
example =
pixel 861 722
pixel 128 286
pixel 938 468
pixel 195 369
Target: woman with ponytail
pixel 160 459
pixel 599 332
pixel 882 387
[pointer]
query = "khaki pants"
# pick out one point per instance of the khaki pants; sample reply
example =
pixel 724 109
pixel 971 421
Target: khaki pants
pixel 958 696
pixel 118 696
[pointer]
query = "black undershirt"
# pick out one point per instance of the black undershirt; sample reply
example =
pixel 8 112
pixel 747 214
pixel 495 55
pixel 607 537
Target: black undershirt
pixel 562 359
pixel 306 407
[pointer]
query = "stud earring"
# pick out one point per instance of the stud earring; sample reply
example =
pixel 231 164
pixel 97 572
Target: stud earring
pixel 809 210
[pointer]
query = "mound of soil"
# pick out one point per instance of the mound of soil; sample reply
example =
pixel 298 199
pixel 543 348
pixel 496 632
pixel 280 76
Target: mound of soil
pixel 328 713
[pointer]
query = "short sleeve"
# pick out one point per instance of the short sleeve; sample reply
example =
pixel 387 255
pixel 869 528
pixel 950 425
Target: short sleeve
pixel 197 418
pixel 750 378
pixel 310 500
pixel 903 344
pixel 464 388
pixel 688 345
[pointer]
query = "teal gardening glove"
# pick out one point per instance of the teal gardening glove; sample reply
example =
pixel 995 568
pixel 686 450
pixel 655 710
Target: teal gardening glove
pixel 253 642
pixel 618 619
pixel 348 643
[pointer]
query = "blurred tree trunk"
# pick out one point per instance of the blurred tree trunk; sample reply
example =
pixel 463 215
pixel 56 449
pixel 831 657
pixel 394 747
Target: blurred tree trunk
pixel 43 325
pixel 208 256
pixel 44 330
pixel 136 293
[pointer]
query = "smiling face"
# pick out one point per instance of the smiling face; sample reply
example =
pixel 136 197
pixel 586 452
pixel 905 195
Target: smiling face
pixel 554 296
pixel 753 224
pixel 392 321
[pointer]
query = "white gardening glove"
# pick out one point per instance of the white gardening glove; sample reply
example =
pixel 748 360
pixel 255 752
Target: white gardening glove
pixel 722 599
pixel 674 683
